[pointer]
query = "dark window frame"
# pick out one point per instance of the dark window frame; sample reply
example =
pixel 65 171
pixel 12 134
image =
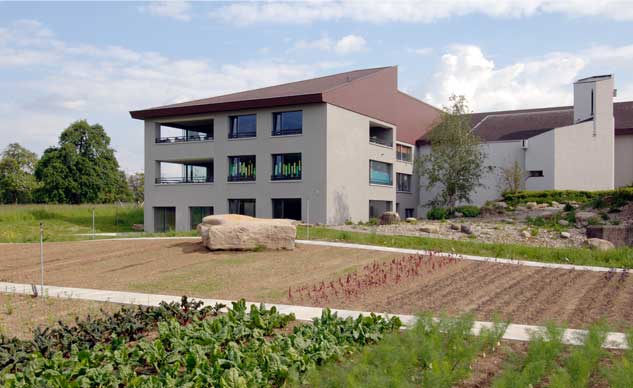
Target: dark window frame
pixel 235 133
pixel 284 215
pixel 378 182
pixel 293 174
pixel 535 174
pixel 278 117
pixel 239 177
pixel 191 215
pixel 240 204
pixel 164 225
pixel 399 187
pixel 399 153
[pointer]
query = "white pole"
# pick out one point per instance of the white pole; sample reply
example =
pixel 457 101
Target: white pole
pixel 93 223
pixel 42 256
pixel 308 219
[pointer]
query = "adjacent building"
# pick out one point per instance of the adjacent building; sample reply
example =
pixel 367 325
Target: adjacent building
pixel 341 147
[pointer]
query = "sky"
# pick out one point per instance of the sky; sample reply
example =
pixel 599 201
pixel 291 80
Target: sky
pixel 61 62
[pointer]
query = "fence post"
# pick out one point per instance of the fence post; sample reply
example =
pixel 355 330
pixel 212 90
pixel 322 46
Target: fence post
pixel 308 219
pixel 42 256
pixel 93 223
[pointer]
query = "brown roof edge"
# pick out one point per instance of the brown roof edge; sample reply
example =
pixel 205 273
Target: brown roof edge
pixel 420 101
pixel 226 106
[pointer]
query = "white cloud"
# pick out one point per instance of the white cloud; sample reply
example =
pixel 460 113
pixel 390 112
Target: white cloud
pixel 346 45
pixel 67 82
pixel 350 44
pixel 538 82
pixel 175 9
pixel 414 11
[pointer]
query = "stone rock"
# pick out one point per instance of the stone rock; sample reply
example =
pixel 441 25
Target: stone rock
pixel 565 235
pixel 619 235
pixel 500 205
pixel 454 226
pixel 508 220
pixel 458 215
pixel 466 229
pixel 429 229
pixel 520 208
pixel 388 218
pixel 237 232
pixel 411 220
pixel 582 218
pixel 526 234
pixel 487 211
pixel 138 227
pixel 599 244
pixel 542 206
pixel 530 205
pixel 563 222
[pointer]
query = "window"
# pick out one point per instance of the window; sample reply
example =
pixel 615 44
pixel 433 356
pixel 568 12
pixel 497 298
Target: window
pixel 287 208
pixel 380 173
pixel 197 213
pixel 404 153
pixel 536 173
pixel 381 135
pixel 286 167
pixel 245 207
pixel 287 123
pixel 592 103
pixel 403 182
pixel 241 168
pixel 243 126
pixel 164 219
pixel 408 213
pixel 376 208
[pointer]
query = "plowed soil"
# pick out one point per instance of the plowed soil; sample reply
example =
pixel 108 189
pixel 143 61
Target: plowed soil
pixel 517 293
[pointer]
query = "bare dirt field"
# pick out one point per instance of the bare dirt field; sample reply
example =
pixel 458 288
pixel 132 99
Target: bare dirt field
pixel 20 314
pixel 520 294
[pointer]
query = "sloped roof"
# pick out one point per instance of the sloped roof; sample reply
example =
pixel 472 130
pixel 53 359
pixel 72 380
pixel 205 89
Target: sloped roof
pixel 371 92
pixel 526 123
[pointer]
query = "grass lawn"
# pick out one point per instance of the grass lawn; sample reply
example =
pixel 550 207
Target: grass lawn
pixel 620 257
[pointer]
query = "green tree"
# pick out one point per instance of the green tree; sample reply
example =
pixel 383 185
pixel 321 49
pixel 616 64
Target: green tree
pixel 17 182
pixel 82 168
pixel 136 182
pixel 456 160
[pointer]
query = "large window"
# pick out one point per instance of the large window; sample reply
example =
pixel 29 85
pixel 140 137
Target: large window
pixel 243 126
pixel 242 168
pixel 242 206
pixel 380 173
pixel 197 213
pixel 287 123
pixel 286 167
pixel 403 182
pixel 164 219
pixel 287 208
pixel 404 153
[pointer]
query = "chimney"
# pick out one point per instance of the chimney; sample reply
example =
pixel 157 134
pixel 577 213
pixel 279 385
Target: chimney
pixel 593 98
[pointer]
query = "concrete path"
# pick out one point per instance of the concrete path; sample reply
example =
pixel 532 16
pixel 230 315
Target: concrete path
pixel 303 313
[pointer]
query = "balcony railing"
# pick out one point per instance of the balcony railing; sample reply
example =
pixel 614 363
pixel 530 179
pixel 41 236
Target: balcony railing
pixel 182 179
pixel 285 177
pixel 239 135
pixel 180 139
pixel 240 178
pixel 283 132
pixel 378 140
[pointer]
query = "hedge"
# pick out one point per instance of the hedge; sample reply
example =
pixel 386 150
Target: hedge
pixel 602 198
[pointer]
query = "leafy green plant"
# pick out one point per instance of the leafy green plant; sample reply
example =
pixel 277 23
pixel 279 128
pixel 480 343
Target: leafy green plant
pixel 468 210
pixel 437 213
pixel 620 374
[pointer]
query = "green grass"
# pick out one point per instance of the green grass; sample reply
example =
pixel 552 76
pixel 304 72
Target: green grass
pixel 619 257
pixel 20 223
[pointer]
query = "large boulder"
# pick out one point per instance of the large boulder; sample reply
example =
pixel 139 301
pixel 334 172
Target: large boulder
pixel 599 244
pixel 388 218
pixel 237 232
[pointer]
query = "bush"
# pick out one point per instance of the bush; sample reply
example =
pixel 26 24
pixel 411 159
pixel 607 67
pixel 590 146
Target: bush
pixel 468 210
pixel 437 213
pixel 599 199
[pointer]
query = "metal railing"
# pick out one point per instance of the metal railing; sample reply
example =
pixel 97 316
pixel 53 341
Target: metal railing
pixel 282 132
pixel 181 139
pixel 183 179
pixel 378 140
pixel 285 177
pixel 239 135
pixel 240 178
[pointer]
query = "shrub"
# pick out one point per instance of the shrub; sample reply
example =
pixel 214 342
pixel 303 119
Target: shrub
pixel 568 207
pixel 598 199
pixel 437 213
pixel 468 210
pixel 372 221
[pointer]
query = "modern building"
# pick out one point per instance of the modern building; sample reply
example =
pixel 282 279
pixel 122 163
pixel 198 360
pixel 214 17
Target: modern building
pixel 341 147
pixel 323 150
pixel 587 146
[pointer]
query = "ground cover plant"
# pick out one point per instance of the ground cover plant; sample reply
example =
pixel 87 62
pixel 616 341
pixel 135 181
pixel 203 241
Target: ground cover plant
pixel 619 257
pixel 178 345
pixel 433 353
pixel 614 198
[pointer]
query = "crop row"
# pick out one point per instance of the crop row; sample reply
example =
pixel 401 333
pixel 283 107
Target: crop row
pixel 242 348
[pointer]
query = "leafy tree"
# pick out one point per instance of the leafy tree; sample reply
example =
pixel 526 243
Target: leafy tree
pixel 456 160
pixel 17 182
pixel 82 168
pixel 136 182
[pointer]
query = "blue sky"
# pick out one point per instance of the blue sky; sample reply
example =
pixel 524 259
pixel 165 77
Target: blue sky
pixel 60 62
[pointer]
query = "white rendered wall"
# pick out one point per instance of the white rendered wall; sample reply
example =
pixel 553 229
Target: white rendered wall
pixel 623 160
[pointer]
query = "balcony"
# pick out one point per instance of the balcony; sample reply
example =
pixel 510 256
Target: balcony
pixel 186 131
pixel 181 139
pixel 381 135
pixel 182 179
